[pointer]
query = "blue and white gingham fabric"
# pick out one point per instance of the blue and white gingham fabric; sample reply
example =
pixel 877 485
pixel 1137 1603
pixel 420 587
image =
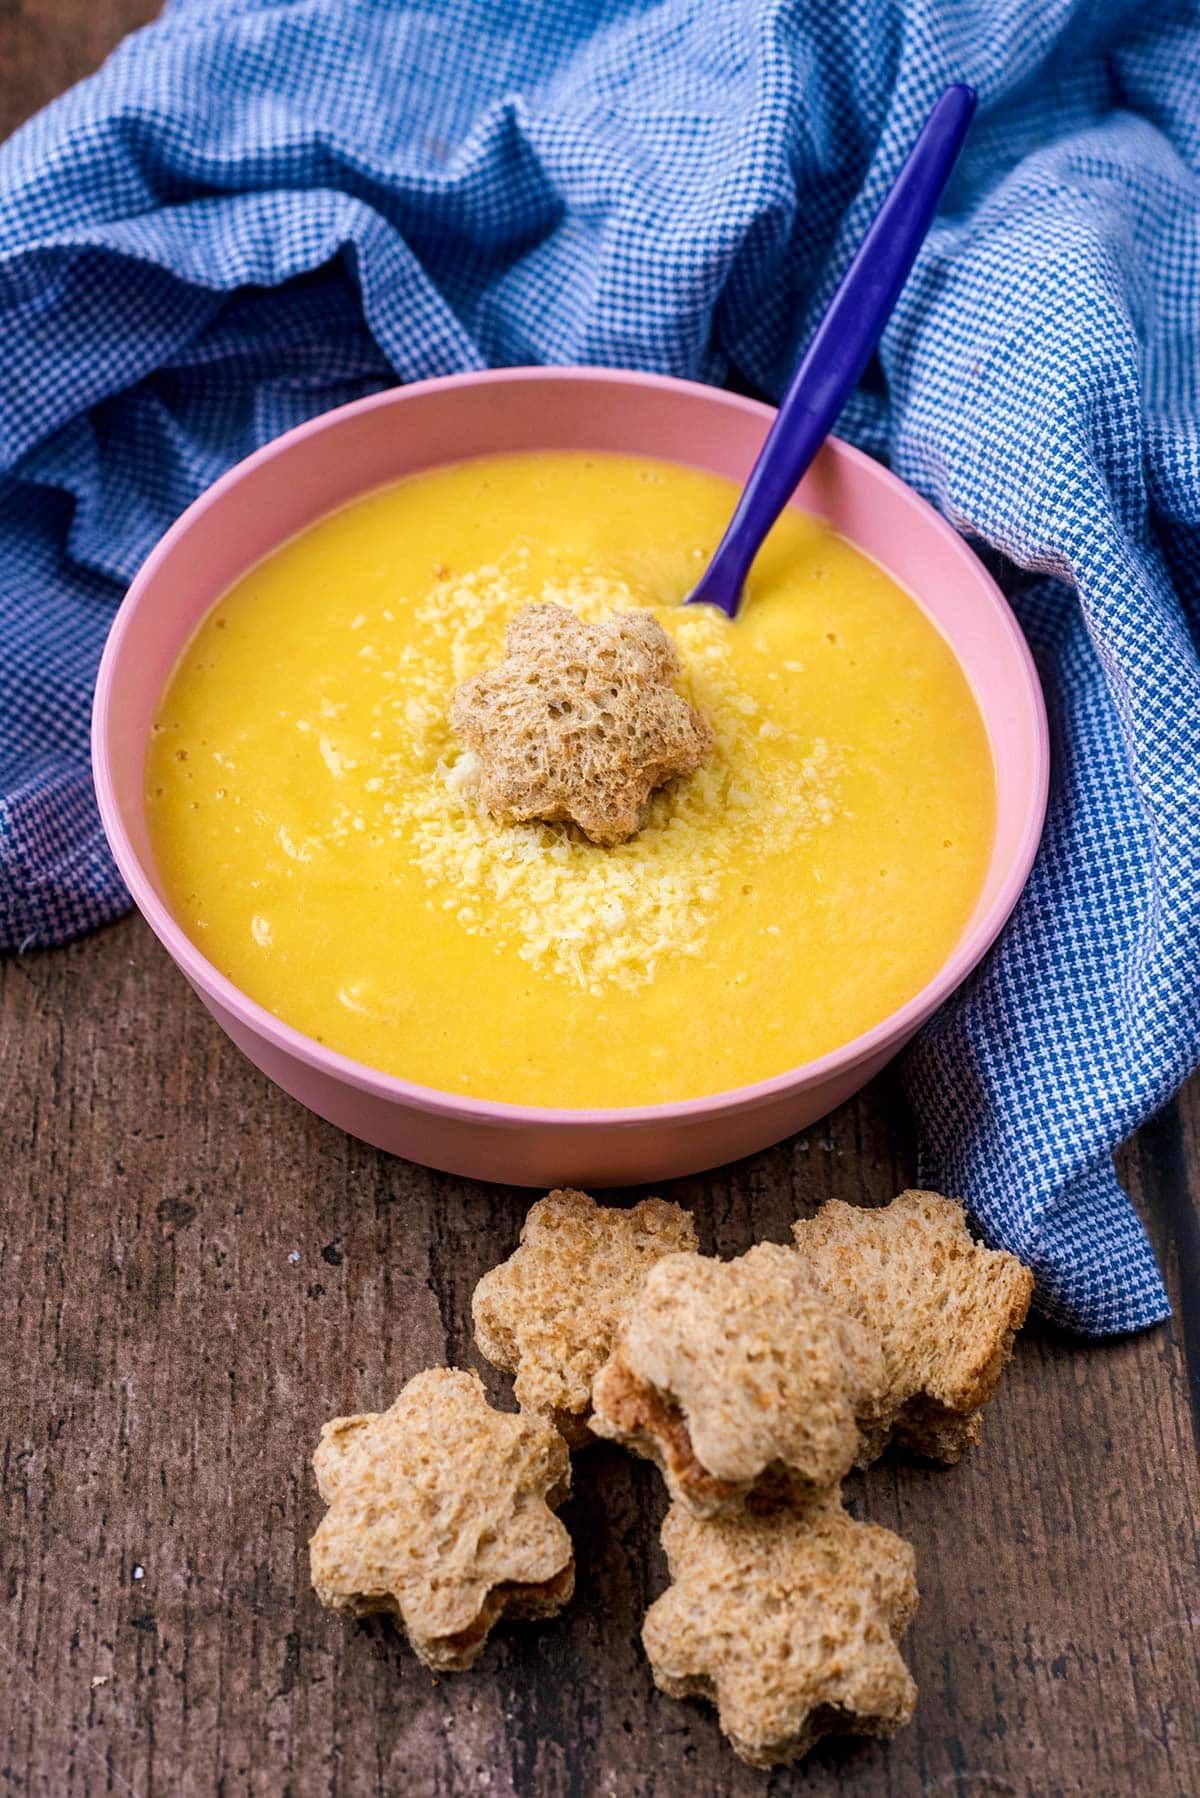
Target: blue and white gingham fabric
pixel 261 208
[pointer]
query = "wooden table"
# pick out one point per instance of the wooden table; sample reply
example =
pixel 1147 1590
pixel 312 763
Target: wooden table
pixel 196 1273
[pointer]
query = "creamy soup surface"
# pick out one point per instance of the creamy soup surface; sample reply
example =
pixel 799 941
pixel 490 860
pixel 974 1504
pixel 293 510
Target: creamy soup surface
pixel 317 830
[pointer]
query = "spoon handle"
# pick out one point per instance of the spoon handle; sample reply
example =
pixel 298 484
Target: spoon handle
pixel 851 327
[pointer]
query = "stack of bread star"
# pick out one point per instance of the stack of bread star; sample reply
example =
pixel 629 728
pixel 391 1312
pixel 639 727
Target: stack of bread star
pixel 753 1384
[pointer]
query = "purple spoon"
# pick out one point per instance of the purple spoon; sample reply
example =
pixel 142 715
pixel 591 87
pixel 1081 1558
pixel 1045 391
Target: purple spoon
pixel 831 366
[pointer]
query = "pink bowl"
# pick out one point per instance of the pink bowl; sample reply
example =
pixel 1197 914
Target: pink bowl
pixel 291 482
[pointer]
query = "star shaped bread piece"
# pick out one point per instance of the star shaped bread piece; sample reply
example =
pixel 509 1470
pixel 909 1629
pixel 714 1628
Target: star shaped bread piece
pixel 580 721
pixel 788 1619
pixel 946 1309
pixel 441 1510
pixel 550 1312
pixel 737 1377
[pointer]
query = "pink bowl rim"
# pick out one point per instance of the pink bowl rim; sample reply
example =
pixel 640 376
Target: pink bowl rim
pixel 894 1029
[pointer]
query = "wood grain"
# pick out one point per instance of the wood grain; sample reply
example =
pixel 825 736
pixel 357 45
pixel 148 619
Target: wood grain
pixel 45 45
pixel 196 1273
pixel 169 1364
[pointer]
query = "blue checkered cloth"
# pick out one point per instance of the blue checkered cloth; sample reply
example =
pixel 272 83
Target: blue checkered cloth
pixel 261 208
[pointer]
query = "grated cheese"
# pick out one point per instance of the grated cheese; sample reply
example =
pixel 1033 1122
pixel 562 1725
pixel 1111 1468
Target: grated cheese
pixel 598 917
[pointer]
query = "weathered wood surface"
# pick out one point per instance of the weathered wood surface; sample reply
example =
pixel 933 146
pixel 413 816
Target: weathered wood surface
pixel 45 45
pixel 167 1365
pixel 196 1273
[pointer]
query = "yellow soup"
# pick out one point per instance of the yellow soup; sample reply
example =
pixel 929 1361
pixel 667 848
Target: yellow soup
pixel 317 829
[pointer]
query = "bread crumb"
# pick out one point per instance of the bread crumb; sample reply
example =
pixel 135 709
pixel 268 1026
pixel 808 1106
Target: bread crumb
pixel 442 1511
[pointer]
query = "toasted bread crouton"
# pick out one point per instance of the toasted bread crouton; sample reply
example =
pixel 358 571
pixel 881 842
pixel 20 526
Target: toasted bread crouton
pixel 946 1309
pixel 787 1618
pixel 549 1313
pixel 737 1377
pixel 580 722
pixel 441 1510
